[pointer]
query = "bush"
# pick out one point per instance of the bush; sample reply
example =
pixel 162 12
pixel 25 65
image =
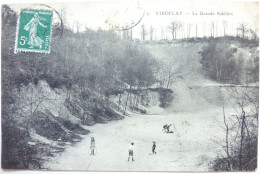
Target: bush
pixel 50 128
pixel 101 112
pixel 113 92
pixel 165 96
pixel 143 111
pixel 14 145
pixel 248 158
pixel 76 128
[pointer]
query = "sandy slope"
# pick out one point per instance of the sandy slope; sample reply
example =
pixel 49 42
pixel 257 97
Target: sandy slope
pixel 188 149
pixel 195 118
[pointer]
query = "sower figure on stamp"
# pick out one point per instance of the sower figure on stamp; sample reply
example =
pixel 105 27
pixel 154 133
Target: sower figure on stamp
pixel 131 151
pixel 32 27
pixel 92 146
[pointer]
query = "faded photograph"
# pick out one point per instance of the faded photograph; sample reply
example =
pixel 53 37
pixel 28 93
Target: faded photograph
pixel 130 86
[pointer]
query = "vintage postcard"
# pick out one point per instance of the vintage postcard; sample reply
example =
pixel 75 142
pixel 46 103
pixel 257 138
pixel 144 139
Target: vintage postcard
pixel 130 86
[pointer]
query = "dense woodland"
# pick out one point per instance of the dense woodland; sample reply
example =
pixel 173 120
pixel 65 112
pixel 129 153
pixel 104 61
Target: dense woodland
pixel 223 63
pixel 100 64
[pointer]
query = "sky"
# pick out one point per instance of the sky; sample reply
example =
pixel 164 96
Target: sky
pixel 121 15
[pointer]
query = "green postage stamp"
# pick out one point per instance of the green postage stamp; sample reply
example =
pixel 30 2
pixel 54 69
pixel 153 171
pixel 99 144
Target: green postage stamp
pixel 34 31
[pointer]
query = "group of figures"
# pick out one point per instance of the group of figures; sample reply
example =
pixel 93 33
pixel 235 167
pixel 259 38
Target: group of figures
pixel 131 150
pixel 93 151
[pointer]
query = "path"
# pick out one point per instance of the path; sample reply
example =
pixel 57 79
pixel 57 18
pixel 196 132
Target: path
pixel 185 150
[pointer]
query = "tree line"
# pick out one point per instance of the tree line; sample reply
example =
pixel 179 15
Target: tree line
pixel 181 30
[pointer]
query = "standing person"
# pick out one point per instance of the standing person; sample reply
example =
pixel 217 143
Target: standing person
pixel 131 151
pixel 153 148
pixel 92 146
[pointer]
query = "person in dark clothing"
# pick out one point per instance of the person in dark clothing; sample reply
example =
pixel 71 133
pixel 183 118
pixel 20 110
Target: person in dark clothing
pixel 153 148
pixel 165 128
pixel 168 128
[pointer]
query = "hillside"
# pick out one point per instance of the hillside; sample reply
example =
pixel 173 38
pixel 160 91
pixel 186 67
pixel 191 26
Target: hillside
pixel 196 114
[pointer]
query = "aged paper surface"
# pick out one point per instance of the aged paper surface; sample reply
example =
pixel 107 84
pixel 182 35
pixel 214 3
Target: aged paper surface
pixel 130 86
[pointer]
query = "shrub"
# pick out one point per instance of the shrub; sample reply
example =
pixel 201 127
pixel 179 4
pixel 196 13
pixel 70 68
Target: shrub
pixel 76 128
pixel 165 96
pixel 50 128
pixel 15 147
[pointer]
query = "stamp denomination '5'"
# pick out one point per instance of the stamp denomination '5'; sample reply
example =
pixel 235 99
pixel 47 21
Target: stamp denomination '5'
pixel 34 31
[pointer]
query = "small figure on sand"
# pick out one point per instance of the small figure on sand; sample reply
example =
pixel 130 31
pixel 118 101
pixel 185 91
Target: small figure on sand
pixel 131 151
pixel 92 146
pixel 153 148
pixel 166 128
